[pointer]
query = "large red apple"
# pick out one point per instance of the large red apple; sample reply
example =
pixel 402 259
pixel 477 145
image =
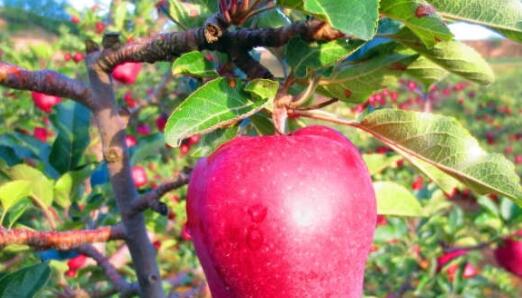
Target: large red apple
pixel 45 102
pixel 509 255
pixel 126 73
pixel 283 216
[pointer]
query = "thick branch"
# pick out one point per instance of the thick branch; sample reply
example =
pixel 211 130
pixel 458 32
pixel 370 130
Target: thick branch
pixel 112 134
pixel 44 81
pixel 60 240
pixel 151 199
pixel 167 46
pixel 120 284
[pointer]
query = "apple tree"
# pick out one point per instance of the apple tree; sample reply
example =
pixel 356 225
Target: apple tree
pixel 102 130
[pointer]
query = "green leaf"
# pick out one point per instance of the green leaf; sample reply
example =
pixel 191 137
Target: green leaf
pixel 16 212
pixel 444 181
pixel 378 162
pixel 42 188
pixel 217 104
pixel 12 192
pixel 352 17
pixel 272 18
pixel 147 147
pixel 304 56
pixel 504 16
pixel 395 199
pixel 292 4
pixel 444 143
pixel 452 55
pixel 262 123
pixel 211 141
pixel 25 282
pixel 428 27
pixel 67 187
pixel 9 155
pixel 119 14
pixel 72 123
pixel 355 81
pixel 194 63
pixel 427 72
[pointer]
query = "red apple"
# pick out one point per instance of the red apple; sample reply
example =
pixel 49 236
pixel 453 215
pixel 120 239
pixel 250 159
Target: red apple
pixel 130 141
pixel 449 256
pixel 126 73
pixel 41 134
pixel 139 176
pixel 490 137
pixel 129 100
pixel 509 255
pixel 185 233
pixel 184 149
pixel 283 216
pixel 143 129
pixel 45 102
pixel 75 19
pixel 470 271
pixel 161 121
pixel 77 57
pixel 518 159
pixel 75 264
pixel 99 27
pixel 381 220
pixel 418 183
pixel 67 57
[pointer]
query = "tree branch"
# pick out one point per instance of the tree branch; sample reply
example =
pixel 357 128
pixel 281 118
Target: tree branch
pixel 45 81
pixel 212 36
pixel 112 133
pixel 120 284
pixel 60 240
pixel 151 199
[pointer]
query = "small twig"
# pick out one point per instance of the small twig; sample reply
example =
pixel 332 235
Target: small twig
pixel 321 115
pixel 150 200
pixel 60 240
pixel 305 95
pixel 124 288
pixel 318 105
pixel 479 246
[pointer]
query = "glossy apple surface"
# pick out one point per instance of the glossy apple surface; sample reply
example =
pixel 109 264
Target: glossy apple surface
pixel 283 216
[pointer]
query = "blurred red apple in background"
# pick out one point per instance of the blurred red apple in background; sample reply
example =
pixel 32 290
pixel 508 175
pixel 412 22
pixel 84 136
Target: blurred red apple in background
pixel 139 176
pixel 41 134
pixel 126 73
pixel 45 102
pixel 509 254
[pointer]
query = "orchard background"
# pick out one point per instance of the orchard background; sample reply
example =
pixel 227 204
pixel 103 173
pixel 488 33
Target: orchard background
pixel 438 126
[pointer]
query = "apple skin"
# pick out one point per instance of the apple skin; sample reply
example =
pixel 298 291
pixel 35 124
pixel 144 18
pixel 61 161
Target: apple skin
pixel 283 216
pixel 126 73
pixel 45 102
pixel 509 255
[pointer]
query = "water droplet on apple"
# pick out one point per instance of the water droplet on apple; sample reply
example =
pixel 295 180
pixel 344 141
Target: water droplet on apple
pixel 254 238
pixel 257 213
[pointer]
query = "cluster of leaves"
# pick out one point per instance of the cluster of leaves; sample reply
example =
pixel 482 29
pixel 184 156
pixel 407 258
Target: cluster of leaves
pixel 64 178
